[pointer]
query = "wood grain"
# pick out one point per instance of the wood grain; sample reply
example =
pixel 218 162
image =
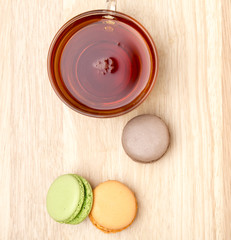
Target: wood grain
pixel 184 196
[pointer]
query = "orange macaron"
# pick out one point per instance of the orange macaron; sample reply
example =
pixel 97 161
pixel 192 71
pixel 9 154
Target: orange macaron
pixel 114 207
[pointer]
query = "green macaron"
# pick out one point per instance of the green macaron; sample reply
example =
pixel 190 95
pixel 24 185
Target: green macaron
pixel 87 204
pixel 65 198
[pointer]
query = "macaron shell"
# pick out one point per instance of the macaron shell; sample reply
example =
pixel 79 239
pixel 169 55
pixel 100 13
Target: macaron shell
pixel 87 204
pixel 145 138
pixel 65 198
pixel 114 206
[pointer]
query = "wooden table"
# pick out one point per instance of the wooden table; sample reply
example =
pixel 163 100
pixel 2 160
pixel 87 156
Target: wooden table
pixel 184 196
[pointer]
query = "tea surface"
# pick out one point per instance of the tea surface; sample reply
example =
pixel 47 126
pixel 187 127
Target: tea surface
pixel 105 64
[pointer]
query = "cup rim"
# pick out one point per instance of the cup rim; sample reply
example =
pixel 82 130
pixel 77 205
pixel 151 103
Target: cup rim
pixel 104 113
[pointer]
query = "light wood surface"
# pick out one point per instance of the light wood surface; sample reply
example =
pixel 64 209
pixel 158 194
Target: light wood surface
pixel 184 196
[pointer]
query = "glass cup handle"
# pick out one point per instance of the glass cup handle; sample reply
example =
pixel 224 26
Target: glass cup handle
pixel 111 5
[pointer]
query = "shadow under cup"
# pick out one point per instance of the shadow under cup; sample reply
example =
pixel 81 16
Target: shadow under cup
pixel 102 63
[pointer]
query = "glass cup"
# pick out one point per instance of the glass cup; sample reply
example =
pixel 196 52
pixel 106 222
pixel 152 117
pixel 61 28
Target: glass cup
pixel 102 63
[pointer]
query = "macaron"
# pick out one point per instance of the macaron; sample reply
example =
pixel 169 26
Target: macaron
pixel 69 199
pixel 114 207
pixel 145 138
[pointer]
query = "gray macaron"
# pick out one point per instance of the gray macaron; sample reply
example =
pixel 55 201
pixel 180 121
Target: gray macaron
pixel 145 138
